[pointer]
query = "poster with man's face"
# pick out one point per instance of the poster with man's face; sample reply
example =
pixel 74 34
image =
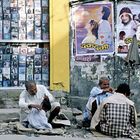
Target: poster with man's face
pixel 128 23
pixel 94 31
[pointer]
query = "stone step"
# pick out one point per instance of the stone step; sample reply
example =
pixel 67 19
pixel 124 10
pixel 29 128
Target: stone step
pixel 11 114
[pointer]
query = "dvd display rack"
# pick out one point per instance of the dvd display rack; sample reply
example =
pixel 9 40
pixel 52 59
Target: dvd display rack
pixel 22 62
pixel 24 20
pixel 23 32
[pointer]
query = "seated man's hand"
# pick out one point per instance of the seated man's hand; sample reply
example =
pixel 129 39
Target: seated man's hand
pixel 38 107
pixel 108 90
pixel 46 97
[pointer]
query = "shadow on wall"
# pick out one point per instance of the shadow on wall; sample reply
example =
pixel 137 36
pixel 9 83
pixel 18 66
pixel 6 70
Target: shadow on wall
pixel 80 86
pixel 2 104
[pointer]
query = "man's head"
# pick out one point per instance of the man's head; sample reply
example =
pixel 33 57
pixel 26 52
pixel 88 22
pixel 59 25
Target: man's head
pixel 125 15
pixel 31 87
pixel 104 82
pixel 124 89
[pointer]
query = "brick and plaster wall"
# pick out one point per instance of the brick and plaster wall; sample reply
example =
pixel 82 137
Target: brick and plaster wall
pixel 85 75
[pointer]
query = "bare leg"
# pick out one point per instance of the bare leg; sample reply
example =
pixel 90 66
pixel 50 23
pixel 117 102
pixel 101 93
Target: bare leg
pixel 94 108
pixel 86 123
pixel 54 113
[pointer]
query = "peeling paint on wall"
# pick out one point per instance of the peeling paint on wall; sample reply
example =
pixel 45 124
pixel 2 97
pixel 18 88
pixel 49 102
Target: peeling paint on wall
pixel 85 75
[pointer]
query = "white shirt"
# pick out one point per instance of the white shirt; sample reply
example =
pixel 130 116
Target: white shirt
pixel 93 93
pixel 37 119
pixel 26 99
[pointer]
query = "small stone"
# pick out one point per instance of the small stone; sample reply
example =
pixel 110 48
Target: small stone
pixel 76 111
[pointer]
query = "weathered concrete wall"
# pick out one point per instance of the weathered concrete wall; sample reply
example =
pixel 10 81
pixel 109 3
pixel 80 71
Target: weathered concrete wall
pixel 85 75
pixel 9 98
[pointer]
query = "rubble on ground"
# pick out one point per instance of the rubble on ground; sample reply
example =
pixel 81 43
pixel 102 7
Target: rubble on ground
pixel 71 131
pixel 12 126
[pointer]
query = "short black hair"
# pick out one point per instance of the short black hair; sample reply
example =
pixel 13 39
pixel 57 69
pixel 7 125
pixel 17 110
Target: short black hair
pixel 124 89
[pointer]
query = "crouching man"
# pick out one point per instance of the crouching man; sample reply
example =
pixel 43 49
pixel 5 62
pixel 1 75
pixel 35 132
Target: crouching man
pixel 32 98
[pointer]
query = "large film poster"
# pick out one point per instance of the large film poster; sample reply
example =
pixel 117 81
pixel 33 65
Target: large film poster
pixel 128 24
pixel 93 24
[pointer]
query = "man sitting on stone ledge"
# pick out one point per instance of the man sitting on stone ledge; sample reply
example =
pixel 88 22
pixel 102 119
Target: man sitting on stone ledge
pixel 97 95
pixel 31 99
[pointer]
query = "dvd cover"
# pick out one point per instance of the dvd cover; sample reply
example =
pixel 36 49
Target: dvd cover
pixel 37 60
pixel 37 77
pixel 38 50
pixel 6 29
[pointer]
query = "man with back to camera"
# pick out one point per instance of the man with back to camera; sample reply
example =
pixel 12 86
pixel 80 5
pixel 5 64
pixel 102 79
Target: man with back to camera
pixel 97 95
pixel 33 96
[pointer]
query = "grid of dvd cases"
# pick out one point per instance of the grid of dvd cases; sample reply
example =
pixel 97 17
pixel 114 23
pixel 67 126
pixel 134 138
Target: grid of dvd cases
pixel 21 62
pixel 24 20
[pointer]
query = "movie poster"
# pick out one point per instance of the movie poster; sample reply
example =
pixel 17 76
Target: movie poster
pixel 128 24
pixel 94 28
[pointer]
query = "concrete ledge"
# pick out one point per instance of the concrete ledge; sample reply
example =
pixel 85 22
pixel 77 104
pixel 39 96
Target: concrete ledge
pixel 24 137
pixel 9 114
